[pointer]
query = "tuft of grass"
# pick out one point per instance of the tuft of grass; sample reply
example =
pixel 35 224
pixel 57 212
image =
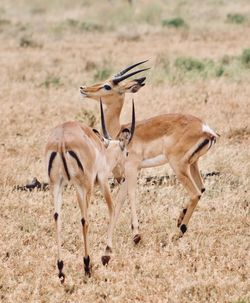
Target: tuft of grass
pixel 245 57
pixel 87 25
pixel 77 26
pixel 219 71
pixel 51 81
pixel 236 18
pixel 174 22
pixel 27 41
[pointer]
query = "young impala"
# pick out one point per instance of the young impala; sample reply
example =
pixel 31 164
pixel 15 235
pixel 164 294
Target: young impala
pixel 75 153
pixel 177 139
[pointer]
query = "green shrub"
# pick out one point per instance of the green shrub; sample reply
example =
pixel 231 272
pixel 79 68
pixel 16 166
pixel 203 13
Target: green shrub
pixel 90 26
pixel 236 18
pixel 175 22
pixel 189 64
pixel 245 57
pixel 77 26
pixel 219 71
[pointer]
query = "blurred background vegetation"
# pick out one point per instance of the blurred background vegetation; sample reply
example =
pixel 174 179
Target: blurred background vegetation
pixel 133 21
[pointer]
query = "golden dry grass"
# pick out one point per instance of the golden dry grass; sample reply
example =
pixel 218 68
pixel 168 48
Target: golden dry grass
pixel 46 54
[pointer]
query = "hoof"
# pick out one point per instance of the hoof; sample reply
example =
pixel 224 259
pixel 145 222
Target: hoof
pixel 105 260
pixel 183 228
pixel 61 277
pixel 137 239
pixel 181 217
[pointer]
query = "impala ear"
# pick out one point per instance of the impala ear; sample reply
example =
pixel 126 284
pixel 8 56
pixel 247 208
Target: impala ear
pixel 135 88
pixel 138 83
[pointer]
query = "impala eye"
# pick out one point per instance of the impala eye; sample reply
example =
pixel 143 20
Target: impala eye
pixel 107 87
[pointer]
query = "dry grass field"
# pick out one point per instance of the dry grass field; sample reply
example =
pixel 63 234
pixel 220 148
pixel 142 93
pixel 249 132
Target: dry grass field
pixel 199 55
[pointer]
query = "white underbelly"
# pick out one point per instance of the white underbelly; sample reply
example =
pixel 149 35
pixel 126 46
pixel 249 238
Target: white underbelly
pixel 156 161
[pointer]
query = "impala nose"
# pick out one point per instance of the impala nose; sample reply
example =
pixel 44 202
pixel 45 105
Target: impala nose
pixel 82 90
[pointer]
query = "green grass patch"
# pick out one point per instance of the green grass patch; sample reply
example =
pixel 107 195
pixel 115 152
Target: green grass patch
pixel 236 18
pixel 51 81
pixel 183 69
pixel 245 57
pixel 188 64
pixel 174 22
pixel 78 26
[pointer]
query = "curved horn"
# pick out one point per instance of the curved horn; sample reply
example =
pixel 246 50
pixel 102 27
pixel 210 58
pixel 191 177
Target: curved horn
pixel 129 68
pixel 132 129
pixel 104 129
pixel 121 78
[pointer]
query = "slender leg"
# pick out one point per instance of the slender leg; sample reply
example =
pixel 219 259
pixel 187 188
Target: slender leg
pixel 131 177
pixel 56 190
pixel 120 199
pixel 194 169
pixel 83 201
pixel 106 192
pixel 128 187
pixel 184 175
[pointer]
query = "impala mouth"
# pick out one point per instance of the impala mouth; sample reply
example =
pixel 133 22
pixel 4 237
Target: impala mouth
pixel 82 92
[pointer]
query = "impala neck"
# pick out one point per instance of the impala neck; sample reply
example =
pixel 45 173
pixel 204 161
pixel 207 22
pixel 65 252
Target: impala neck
pixel 112 116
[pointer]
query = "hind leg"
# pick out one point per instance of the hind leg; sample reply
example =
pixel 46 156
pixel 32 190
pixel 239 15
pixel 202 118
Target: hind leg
pixel 83 198
pixel 183 174
pixel 56 190
pixel 195 172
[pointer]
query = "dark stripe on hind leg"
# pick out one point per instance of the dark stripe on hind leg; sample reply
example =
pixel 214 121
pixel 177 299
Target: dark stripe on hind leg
pixel 51 159
pixel 74 155
pixel 204 143
pixel 65 166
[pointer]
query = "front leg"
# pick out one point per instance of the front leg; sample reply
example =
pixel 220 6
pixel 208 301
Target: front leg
pixel 107 196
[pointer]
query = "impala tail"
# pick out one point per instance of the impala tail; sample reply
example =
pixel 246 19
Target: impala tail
pixel 207 140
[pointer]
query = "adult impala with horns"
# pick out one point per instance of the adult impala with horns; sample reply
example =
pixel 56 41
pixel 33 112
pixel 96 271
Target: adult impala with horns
pixel 77 154
pixel 177 139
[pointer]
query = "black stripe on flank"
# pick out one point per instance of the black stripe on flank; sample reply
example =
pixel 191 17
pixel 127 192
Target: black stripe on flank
pixel 74 155
pixel 204 143
pixel 51 159
pixel 65 166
